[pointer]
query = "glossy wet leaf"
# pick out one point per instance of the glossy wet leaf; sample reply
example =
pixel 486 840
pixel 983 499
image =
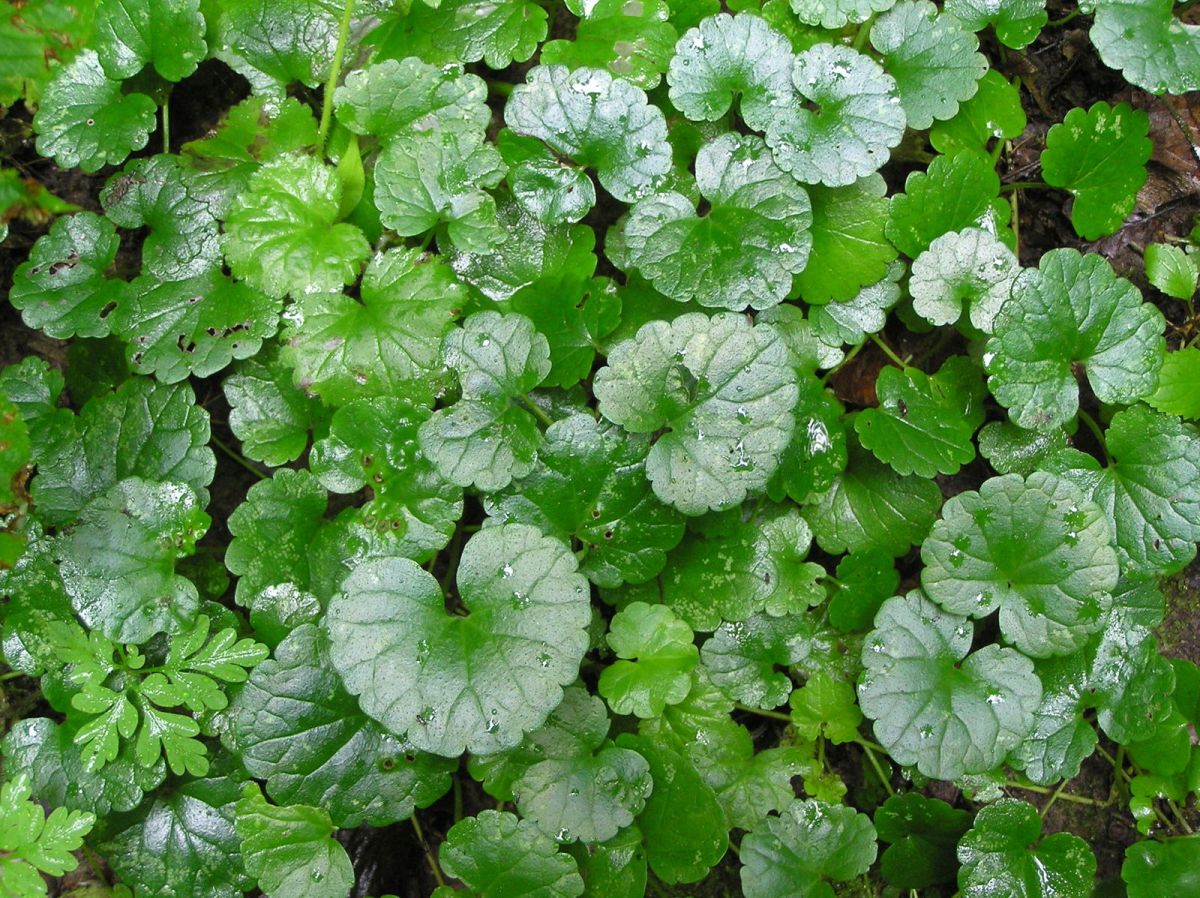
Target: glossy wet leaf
pixel 590 485
pixel 63 287
pixel 994 112
pixel 1013 450
pixel 731 56
pixel 1060 739
pixel 1099 155
pixel 485 439
pixel 290 851
pixel 282 235
pixel 296 728
pixel 275 43
pixel 267 413
pixel 723 387
pixel 600 121
pixel 1016 22
pixel 1176 393
pixel 548 190
pixel 808 843
pixel 455 31
pixel 817 452
pixel 1154 867
pixel 168 34
pixel 496 853
pixel 449 682
pixel 998 853
pixel 969 270
pixel 858 119
pixel 924 424
pixel 1072 310
pixel 934 703
pixel 1151 46
pixel 922 834
pixel 864 579
pixel 85 120
pixel 1036 549
pixel 632 40
pixel 744 250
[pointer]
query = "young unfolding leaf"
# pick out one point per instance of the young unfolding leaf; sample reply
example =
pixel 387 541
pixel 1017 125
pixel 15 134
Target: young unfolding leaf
pixel 997 853
pixel 808 843
pixel 924 424
pixel 825 707
pixel 969 268
pixel 727 56
pixel 85 120
pixel 32 843
pixel 724 388
pixel 931 56
pixel 1036 549
pixel 1071 310
pixel 290 851
pixel 1100 156
pixel 283 236
pixel 451 679
pixel 858 119
pixel 665 653
pixel 485 439
pixel 745 250
pixel 936 706
pixel 600 121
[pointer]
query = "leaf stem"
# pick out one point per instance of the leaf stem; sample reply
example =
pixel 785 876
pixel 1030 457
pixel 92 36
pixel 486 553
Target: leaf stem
pixel 237 458
pixel 537 411
pixel 1053 798
pixel 1076 12
pixel 1062 796
pixel 774 715
pixel 11 675
pixel 864 31
pixel 335 71
pixel 166 124
pixel 844 362
pixel 888 351
pixel 1097 433
pixel 870 753
pixel 433 864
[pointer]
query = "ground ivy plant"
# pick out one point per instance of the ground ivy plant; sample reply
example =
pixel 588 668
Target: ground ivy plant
pixel 620 437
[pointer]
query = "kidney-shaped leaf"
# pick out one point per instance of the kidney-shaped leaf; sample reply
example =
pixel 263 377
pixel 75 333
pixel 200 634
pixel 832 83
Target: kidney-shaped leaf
pixel 498 855
pixel 454 682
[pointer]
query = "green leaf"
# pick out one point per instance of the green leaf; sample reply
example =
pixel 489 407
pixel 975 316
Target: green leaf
pixel 586 789
pixel 1034 548
pixel 936 706
pixel 600 121
pixel 460 31
pixel 168 34
pixel 1171 270
pixel 839 324
pixel 282 236
pixel 484 439
pixel 1150 490
pixel 1071 310
pixel 955 192
pixel 295 727
pixel 590 485
pixel 33 842
pixel 451 678
pixel 182 842
pixel 748 246
pixel 864 579
pixel 291 851
pixel 85 121
pixel 1155 868
pixel 996 854
pixel 35 39
pixel 858 119
pixel 1012 450
pixel 266 412
pixel 46 752
pixel 833 14
pixel 574 315
pixel 870 506
pixel 399 98
pixel 1060 739
pixel 922 833
pixel 924 424
pixel 439 177
pixel 741 658
pixel 817 452
pixel 632 40
pixel 661 675
pixel 613 869
pixel 1100 156
pixel 726 391
pixel 684 825
pixel 1017 22
pixel 546 189
pixel 932 57
pixel 273 43
pixel 373 442
pixel 970 268
pixel 1178 390
pixel 1152 47
pixel 849 249
pixel 119 564
pixel 62 288
pixel 808 843
pixel 727 56
pixel 385 343
pixel 825 707
pixel 994 112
